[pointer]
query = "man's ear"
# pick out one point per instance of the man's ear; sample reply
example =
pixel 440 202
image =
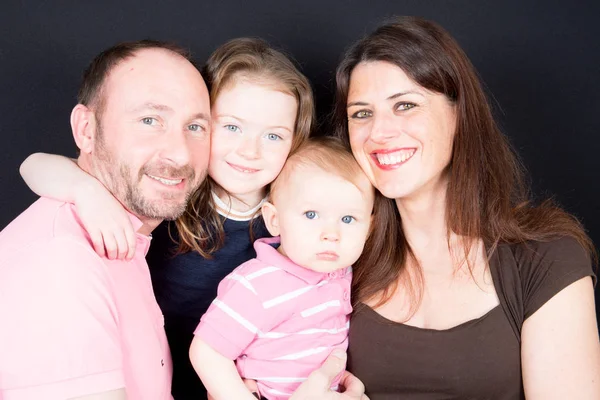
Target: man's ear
pixel 83 125
pixel 269 213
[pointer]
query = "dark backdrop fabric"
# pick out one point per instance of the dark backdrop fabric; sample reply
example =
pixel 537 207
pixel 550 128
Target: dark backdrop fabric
pixel 539 62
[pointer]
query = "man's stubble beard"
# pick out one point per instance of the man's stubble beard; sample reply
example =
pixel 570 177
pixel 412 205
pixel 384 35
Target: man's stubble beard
pixel 118 178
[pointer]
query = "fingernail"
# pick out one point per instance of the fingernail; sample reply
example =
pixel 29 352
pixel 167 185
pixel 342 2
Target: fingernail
pixel 256 395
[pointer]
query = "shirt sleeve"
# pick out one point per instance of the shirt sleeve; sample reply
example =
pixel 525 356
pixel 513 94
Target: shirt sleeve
pixel 546 268
pixel 235 318
pixel 59 336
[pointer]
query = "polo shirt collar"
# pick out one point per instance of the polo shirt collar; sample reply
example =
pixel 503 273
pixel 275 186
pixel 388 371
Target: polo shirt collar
pixel 268 254
pixel 142 241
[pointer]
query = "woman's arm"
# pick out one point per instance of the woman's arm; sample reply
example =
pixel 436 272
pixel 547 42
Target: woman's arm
pixel 560 350
pixel 104 218
pixel 318 384
pixel 218 373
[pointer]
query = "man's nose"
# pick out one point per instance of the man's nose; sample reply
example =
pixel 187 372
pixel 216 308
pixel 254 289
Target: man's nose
pixel 175 148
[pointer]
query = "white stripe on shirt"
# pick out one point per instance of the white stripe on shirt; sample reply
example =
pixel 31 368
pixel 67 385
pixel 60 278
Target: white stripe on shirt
pixel 277 392
pixel 303 354
pixel 261 272
pixel 278 335
pixel 241 279
pixel 237 317
pixel 291 295
pixel 277 379
pixel 321 307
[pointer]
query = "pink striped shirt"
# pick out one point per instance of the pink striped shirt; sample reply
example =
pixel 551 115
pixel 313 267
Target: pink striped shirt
pixel 279 320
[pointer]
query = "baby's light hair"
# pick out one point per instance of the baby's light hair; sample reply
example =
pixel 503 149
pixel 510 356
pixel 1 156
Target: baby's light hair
pixel 328 154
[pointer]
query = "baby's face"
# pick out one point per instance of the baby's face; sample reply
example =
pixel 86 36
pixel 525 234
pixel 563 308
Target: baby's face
pixel 323 219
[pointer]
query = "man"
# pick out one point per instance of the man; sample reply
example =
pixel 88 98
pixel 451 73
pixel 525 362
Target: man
pixel 73 324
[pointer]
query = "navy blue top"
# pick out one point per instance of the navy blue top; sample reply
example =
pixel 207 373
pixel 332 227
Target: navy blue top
pixel 186 284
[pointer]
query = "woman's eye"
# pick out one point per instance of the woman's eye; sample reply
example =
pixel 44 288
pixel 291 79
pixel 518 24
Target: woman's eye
pixel 273 136
pixel 232 128
pixel 310 215
pixel 405 106
pixel 347 219
pixel 361 114
pixel 149 121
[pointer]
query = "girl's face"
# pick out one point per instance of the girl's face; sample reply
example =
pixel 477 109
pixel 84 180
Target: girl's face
pixel 252 132
pixel 401 134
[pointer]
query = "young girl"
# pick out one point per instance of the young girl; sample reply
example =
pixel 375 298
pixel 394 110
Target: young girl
pixel 279 315
pixel 262 109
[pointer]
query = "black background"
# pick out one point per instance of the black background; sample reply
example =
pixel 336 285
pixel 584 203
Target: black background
pixel 540 62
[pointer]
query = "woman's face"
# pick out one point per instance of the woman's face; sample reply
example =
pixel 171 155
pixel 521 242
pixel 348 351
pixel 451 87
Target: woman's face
pixel 401 134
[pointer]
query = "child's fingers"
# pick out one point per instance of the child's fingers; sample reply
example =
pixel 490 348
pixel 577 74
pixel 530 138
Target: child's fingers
pixel 110 245
pixel 98 243
pixel 122 245
pixel 131 242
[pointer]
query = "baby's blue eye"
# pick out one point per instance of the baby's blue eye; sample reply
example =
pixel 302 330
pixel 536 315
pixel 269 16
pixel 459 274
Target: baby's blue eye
pixel 311 215
pixel 347 219
pixel 272 136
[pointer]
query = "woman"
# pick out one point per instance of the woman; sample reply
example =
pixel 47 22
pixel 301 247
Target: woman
pixel 466 289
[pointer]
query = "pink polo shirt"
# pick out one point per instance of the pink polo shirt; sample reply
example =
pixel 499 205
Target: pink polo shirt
pixel 74 323
pixel 279 320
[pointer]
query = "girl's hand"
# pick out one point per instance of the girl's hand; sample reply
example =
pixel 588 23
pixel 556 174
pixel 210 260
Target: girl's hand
pixel 105 220
pixel 102 215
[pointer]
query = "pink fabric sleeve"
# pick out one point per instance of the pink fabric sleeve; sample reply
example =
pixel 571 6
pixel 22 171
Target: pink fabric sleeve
pixel 233 320
pixel 59 336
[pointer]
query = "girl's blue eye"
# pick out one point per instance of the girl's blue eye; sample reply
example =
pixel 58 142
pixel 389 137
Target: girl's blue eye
pixel 347 219
pixel 311 215
pixel 232 128
pixel 273 136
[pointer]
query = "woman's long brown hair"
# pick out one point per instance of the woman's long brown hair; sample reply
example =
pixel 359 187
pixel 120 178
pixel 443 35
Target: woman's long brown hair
pixel 487 195
pixel 200 228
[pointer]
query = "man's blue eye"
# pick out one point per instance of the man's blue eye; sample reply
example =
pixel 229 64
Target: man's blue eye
pixel 347 219
pixel 148 121
pixel 196 127
pixel 310 214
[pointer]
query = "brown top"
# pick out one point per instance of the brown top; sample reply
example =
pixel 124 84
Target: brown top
pixel 478 359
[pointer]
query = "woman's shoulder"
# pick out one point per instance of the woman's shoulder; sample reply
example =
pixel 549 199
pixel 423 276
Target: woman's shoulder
pixel 544 268
pixel 557 251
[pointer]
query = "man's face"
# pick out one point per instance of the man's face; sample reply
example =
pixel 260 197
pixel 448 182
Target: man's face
pixel 152 138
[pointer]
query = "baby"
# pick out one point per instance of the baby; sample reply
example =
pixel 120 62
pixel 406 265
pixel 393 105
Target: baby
pixel 277 317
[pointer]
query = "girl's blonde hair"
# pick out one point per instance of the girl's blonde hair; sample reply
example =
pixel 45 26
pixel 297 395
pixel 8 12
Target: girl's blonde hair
pixel 201 227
